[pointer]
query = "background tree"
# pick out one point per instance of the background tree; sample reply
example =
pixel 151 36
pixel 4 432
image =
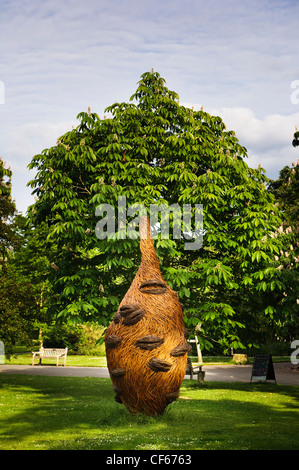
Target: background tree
pixel 7 211
pixel 286 192
pixel 30 262
pixel 17 302
pixel 296 139
pixel 153 150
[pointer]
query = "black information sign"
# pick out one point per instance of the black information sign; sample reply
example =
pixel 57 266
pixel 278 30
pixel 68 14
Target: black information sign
pixel 262 368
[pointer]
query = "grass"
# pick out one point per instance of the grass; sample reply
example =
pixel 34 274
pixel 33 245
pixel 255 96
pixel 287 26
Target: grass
pixel 25 358
pixel 72 360
pixel 70 413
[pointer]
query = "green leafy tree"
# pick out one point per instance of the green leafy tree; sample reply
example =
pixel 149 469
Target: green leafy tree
pixel 7 211
pixel 295 141
pixel 17 302
pixel 30 261
pixel 153 150
pixel 286 192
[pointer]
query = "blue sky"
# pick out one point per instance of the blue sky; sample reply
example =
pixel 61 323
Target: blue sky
pixel 236 58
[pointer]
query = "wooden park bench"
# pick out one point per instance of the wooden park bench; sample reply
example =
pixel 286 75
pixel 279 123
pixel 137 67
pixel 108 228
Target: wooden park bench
pixel 50 352
pixel 195 371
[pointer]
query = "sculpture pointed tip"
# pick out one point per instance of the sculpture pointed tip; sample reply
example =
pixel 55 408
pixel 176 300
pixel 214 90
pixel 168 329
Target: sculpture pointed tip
pixel 149 255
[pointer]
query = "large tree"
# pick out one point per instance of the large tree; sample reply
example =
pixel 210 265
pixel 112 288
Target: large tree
pixel 30 263
pixel 7 211
pixel 153 150
pixel 286 192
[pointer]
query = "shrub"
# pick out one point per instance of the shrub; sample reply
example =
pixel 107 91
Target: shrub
pixel 79 339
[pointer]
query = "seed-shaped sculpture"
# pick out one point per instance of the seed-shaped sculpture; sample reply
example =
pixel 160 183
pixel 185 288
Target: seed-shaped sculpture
pixel 146 343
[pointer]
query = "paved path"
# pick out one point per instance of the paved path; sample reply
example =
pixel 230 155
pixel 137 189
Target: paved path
pixel 285 373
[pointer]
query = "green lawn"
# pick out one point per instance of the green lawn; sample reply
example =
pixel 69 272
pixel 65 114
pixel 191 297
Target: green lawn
pixel 76 361
pixel 100 361
pixel 54 413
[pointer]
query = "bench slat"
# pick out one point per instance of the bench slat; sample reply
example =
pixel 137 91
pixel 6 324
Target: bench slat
pixel 50 352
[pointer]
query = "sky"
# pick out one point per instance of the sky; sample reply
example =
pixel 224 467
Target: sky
pixel 238 59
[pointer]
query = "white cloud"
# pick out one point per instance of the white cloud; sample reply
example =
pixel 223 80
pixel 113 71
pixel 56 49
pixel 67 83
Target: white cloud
pixel 22 144
pixel 263 133
pixel 31 139
pixel 268 140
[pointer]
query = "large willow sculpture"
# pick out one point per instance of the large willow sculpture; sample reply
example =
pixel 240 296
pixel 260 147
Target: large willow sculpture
pixel 145 343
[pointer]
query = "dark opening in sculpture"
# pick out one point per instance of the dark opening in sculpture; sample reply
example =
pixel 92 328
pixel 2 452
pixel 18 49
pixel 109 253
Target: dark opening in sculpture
pixel 145 343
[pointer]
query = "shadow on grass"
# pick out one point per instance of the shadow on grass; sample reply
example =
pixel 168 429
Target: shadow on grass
pixel 39 412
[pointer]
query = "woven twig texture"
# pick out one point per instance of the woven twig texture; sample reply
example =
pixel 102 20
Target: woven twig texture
pixel 145 343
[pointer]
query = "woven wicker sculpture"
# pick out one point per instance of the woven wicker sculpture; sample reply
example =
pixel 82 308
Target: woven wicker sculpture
pixel 145 343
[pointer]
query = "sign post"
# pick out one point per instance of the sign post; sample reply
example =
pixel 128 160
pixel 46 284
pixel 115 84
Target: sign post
pixel 262 368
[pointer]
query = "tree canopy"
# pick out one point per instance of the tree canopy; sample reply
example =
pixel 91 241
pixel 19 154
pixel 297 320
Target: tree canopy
pixel 286 192
pixel 154 150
